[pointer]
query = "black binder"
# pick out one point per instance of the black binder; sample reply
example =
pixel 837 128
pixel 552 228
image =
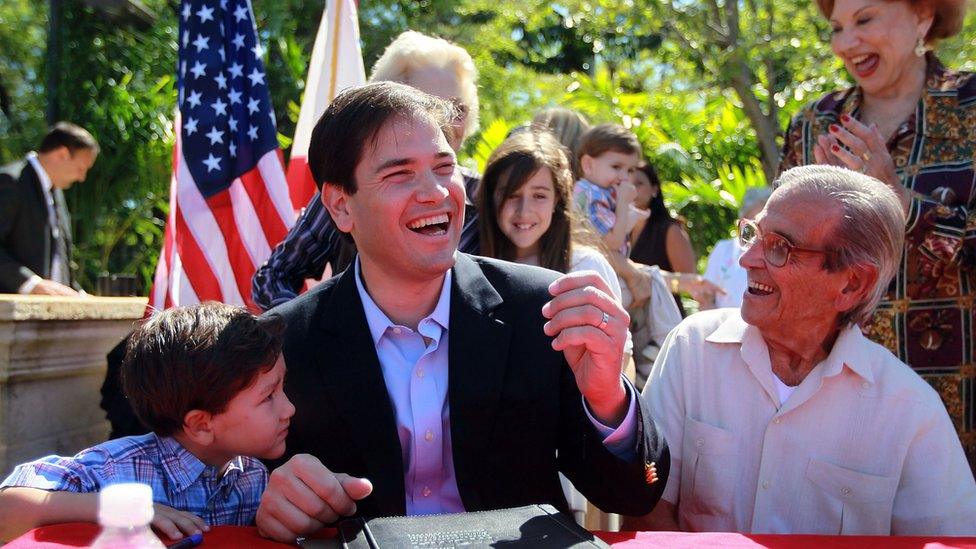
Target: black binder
pixel 535 526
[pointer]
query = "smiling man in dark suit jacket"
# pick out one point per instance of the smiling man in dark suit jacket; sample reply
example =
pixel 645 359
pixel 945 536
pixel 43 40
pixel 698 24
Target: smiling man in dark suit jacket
pixel 427 381
pixel 35 231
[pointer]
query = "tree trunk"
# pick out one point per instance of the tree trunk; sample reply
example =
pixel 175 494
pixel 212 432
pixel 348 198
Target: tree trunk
pixel 766 126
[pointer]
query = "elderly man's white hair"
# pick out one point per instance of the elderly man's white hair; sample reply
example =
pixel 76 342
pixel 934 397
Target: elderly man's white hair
pixel 871 230
pixel 413 51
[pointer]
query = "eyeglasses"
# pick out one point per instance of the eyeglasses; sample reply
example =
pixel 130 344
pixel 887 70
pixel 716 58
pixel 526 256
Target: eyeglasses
pixel 776 248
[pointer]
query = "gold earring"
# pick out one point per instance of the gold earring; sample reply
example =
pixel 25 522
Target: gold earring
pixel 920 47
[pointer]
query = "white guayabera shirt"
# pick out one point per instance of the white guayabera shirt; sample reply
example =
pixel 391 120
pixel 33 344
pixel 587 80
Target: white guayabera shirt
pixel 862 446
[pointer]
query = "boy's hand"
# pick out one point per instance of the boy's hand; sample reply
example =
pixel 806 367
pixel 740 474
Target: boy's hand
pixel 303 495
pixel 626 193
pixel 176 524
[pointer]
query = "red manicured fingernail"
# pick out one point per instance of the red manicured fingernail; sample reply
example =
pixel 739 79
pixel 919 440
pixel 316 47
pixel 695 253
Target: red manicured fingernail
pixel 835 148
pixel 834 128
pixel 845 118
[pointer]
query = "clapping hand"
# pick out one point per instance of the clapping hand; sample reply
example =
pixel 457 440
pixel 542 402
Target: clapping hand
pixel 861 148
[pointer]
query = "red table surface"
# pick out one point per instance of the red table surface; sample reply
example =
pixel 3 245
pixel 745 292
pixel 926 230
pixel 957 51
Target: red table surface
pixel 80 535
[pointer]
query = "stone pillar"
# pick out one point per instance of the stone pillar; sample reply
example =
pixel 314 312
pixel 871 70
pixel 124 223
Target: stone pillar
pixel 52 364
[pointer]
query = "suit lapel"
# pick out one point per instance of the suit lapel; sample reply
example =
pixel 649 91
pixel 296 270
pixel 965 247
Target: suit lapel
pixel 30 178
pixel 352 375
pixel 478 357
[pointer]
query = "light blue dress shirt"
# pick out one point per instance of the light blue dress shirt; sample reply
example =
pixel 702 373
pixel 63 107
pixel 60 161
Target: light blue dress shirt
pixel 416 376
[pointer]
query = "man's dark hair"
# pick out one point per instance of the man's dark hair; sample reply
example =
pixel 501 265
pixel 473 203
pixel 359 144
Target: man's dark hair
pixel 196 358
pixel 355 117
pixel 607 137
pixel 72 136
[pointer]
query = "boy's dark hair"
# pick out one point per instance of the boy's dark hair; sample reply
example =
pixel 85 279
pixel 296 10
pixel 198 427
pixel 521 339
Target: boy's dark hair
pixel 355 117
pixel 66 134
pixel 196 358
pixel 607 137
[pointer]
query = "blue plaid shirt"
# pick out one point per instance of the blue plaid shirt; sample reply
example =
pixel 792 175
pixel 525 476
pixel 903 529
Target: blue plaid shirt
pixel 226 495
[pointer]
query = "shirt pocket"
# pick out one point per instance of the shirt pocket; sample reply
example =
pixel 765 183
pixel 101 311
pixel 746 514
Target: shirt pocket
pixel 850 502
pixel 709 470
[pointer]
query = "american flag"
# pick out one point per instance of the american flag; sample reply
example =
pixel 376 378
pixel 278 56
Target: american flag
pixel 229 203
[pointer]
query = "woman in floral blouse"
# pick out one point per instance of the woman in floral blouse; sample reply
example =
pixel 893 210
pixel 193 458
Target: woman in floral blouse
pixel 911 123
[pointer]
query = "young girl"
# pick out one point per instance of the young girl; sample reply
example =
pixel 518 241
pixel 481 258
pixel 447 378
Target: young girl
pixel 526 214
pixel 525 208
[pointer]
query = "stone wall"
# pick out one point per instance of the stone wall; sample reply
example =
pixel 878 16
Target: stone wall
pixel 52 363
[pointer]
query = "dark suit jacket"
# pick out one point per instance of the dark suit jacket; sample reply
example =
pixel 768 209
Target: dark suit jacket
pixel 26 240
pixel 514 402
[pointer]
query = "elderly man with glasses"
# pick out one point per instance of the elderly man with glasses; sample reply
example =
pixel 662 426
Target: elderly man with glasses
pixel 781 416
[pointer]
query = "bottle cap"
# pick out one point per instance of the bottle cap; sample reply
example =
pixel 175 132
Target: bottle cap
pixel 124 505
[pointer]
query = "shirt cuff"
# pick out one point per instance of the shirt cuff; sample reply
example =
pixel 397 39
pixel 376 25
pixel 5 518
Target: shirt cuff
pixel 29 285
pixel 622 441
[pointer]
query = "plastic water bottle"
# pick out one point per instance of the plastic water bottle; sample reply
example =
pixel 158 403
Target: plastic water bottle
pixel 125 512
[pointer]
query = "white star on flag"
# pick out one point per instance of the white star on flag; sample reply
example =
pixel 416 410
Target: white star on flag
pixel 194 99
pixel 215 136
pixel 198 70
pixel 202 42
pixel 191 126
pixel 212 162
pixel 252 132
pixel 256 77
pixel 253 105
pixel 235 70
pixel 219 107
pixel 205 14
pixel 235 97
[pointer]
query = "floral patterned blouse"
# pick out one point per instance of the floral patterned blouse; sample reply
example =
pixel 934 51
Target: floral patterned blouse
pixel 927 318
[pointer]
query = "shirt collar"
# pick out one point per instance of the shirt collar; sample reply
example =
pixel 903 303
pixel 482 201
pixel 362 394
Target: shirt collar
pixel 378 321
pixel 849 349
pixel 39 169
pixel 183 469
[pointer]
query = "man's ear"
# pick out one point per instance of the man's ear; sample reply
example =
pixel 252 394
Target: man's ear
pixel 860 282
pixel 197 427
pixel 335 199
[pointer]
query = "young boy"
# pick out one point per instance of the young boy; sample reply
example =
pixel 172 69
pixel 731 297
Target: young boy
pixel 608 156
pixel 207 380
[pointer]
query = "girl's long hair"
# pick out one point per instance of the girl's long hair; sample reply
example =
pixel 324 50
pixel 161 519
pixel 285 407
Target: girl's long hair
pixel 513 163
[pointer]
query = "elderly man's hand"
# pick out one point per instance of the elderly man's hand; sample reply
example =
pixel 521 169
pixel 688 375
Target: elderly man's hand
pixel 303 495
pixel 590 327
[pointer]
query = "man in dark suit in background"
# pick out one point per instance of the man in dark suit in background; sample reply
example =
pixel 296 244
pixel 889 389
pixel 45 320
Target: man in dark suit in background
pixel 35 230
pixel 428 381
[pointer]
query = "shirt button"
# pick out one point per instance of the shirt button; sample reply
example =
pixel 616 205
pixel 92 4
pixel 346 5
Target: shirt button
pixel 846 491
pixel 429 436
pixel 777 420
pixel 765 485
pixel 426 491
pixel 866 385
pixel 396 331
pixel 420 372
